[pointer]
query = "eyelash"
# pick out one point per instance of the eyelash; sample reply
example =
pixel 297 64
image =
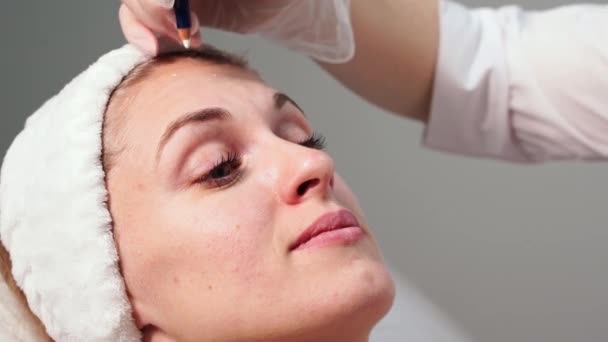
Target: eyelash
pixel 234 161
pixel 316 141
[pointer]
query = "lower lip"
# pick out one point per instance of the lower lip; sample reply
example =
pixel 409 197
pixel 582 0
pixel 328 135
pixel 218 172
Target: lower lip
pixel 343 236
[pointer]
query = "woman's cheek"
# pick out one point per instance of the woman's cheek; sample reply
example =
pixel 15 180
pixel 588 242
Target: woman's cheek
pixel 226 245
pixel 239 222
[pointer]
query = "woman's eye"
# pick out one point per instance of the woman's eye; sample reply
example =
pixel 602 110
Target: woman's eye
pixel 224 173
pixel 316 141
pixel 221 171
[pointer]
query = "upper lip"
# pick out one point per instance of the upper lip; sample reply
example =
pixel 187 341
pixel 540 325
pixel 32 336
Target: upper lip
pixel 327 222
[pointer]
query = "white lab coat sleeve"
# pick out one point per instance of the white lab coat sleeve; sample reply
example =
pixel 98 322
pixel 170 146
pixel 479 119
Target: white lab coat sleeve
pixel 521 86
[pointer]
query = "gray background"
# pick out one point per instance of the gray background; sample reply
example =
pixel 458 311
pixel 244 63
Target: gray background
pixel 507 253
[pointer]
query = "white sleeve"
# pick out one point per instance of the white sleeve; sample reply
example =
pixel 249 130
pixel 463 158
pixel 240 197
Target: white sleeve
pixel 522 86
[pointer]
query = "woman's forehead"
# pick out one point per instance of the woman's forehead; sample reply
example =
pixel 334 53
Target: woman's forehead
pixel 198 70
pixel 142 110
pixel 186 85
pixel 191 81
pixel 178 90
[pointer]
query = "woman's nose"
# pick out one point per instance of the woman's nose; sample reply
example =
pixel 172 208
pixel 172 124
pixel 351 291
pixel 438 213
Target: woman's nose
pixel 308 173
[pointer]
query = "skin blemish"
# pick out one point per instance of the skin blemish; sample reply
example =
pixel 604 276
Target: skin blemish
pixel 140 187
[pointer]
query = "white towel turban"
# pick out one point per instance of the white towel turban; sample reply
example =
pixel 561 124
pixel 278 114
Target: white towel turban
pixel 54 220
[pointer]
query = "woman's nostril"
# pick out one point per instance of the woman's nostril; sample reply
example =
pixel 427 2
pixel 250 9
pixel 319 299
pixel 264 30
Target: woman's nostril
pixel 307 185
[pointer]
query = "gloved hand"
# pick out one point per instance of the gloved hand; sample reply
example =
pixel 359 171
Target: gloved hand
pixel 319 28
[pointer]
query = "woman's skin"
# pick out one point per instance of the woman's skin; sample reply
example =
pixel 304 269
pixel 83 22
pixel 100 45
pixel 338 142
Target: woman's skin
pixel 207 258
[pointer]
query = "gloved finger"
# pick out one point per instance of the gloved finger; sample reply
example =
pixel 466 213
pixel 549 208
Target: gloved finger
pixel 195 32
pixel 137 33
pixel 165 3
pixel 156 18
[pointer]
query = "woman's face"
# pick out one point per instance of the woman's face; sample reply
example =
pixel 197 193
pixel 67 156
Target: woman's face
pixel 212 191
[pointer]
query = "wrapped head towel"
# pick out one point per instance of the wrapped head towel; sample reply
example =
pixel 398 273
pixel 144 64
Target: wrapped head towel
pixel 54 220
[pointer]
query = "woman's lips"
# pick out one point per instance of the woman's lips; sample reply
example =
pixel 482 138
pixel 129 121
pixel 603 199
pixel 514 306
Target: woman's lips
pixel 340 227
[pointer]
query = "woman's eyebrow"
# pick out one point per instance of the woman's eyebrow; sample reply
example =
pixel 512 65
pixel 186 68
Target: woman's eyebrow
pixel 210 114
pixel 280 99
pixel 198 116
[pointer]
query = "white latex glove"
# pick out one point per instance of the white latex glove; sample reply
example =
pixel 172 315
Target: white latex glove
pixel 318 28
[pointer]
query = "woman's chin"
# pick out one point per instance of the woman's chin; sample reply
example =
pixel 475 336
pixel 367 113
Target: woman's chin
pixel 363 295
pixel 373 292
